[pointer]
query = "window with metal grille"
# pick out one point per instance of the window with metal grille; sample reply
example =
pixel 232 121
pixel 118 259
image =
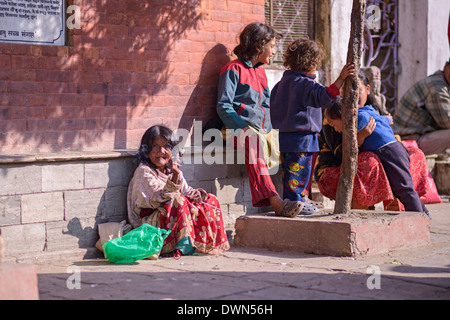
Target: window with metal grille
pixel 293 19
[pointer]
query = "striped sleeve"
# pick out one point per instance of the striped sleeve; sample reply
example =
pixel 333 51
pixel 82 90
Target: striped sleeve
pixel 228 82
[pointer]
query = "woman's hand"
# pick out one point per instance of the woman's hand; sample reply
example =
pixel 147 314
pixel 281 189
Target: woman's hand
pixel 366 131
pixel 175 172
pixel 197 195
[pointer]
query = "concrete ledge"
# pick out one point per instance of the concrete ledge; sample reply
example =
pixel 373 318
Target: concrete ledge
pixel 362 233
pixel 64 156
pixel 72 254
pixel 18 282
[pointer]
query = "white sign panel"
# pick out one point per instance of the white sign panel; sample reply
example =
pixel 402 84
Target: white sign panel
pixel 32 21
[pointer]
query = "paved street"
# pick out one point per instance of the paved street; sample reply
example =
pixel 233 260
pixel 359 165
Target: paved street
pixel 257 274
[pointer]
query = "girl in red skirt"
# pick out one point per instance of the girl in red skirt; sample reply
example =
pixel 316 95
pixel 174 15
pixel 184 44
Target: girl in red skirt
pixel 371 184
pixel 243 105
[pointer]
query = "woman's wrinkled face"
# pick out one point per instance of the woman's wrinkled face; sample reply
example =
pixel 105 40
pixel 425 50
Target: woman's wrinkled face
pixel 160 152
pixel 335 123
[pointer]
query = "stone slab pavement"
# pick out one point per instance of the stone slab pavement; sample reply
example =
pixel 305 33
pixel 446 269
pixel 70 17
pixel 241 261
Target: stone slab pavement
pixel 260 274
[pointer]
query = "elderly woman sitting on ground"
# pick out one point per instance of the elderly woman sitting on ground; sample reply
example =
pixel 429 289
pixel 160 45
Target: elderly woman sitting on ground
pixel 159 195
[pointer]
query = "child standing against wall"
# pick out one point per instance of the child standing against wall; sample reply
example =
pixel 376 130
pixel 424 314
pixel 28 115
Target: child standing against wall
pixel 296 103
pixel 243 106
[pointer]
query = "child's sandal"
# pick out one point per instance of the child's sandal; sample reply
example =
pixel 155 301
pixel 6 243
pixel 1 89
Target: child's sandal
pixel 290 209
pixel 308 209
pixel 316 204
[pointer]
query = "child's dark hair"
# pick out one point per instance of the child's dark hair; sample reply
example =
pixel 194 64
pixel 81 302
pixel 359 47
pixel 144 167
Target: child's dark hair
pixel 253 39
pixel 304 55
pixel 147 143
pixel 334 112
pixel 363 77
pixel 370 98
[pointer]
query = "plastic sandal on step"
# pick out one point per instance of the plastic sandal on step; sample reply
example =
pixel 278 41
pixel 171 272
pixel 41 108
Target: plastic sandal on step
pixel 308 209
pixel 317 204
pixel 290 209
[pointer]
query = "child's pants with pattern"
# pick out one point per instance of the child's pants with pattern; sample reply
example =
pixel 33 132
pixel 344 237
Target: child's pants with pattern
pixel 296 174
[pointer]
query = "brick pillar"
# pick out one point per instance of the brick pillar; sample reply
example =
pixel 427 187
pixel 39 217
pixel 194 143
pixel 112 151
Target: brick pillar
pixel 18 282
pixel 2 248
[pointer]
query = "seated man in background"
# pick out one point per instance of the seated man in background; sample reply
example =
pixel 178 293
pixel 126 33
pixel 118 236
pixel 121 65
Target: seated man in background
pixel 423 113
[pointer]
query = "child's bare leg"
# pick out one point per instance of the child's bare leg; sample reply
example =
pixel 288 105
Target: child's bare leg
pixel 276 203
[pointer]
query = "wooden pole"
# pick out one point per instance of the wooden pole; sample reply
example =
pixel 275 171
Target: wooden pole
pixel 350 112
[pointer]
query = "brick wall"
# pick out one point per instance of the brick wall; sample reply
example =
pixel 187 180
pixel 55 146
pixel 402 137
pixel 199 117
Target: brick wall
pixel 133 63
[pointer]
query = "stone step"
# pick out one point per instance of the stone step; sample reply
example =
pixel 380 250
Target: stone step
pixel 316 196
pixel 362 233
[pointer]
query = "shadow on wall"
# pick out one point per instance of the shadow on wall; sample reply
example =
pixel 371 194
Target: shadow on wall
pixel 111 205
pixel 202 102
pixel 82 94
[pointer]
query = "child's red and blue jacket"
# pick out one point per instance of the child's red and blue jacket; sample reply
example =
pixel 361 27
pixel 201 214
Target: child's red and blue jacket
pixel 244 96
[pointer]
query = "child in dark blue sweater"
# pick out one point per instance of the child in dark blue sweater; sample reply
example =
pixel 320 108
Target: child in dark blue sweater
pixel 295 110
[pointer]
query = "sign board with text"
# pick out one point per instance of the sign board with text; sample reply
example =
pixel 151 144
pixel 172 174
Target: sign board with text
pixel 32 22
